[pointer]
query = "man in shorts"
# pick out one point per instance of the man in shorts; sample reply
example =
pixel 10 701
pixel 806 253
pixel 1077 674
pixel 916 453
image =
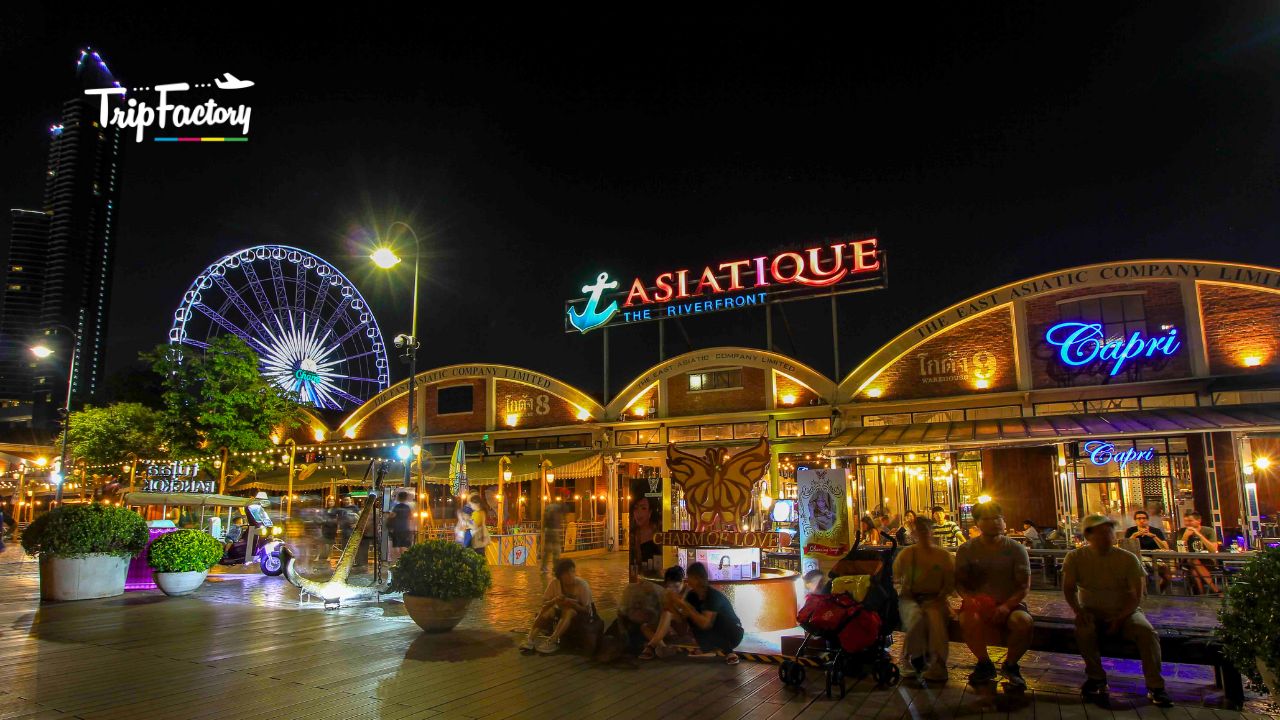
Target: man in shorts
pixel 993 575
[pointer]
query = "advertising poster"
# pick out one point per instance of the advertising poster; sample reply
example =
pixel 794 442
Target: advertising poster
pixel 823 517
pixel 645 516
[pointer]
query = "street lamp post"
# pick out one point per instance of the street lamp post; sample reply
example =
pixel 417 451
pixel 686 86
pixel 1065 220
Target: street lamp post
pixel 385 258
pixel 288 498
pixel 222 470
pixel 44 351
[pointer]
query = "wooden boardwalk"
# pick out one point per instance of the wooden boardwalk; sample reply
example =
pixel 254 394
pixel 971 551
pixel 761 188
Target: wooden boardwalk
pixel 149 657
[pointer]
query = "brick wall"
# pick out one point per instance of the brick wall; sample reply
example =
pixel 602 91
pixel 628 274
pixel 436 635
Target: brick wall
pixel 787 385
pixel 1240 323
pixel 751 396
pixel 1162 302
pixel 534 406
pixel 437 424
pixel 952 362
pixel 385 422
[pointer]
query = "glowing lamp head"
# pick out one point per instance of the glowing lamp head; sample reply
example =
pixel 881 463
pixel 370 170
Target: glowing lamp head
pixel 551 477
pixel 874 393
pixel 1253 360
pixel 384 258
pixel 640 411
pixel 583 414
pixel 42 461
pixel 403 430
pixel 789 399
pixel 318 434
pixel 506 476
pixel 42 351
pixel 982 383
pixel 1262 463
pixel 275 439
pixel 983 499
pixel 512 419
pixel 403 452
pixel 350 433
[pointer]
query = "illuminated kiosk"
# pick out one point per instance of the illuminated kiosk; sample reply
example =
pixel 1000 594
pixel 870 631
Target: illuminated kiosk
pixel 717 491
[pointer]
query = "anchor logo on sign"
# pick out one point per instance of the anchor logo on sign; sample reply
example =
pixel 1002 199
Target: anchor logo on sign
pixel 592 316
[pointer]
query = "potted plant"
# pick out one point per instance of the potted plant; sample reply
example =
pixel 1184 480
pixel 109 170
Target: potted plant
pixel 1249 621
pixel 180 560
pixel 439 580
pixel 84 550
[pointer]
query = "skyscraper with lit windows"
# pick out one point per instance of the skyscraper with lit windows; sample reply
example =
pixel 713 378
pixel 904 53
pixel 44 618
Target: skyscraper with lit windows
pixel 81 209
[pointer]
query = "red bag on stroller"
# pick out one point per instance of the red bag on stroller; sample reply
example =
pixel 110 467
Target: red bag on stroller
pixel 840 618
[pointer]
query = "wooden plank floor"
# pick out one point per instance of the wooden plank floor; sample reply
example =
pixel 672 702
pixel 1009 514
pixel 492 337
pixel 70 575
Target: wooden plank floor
pixel 146 656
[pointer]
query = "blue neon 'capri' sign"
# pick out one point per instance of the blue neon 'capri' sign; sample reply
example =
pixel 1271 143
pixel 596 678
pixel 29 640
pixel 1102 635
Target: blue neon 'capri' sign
pixel 1083 343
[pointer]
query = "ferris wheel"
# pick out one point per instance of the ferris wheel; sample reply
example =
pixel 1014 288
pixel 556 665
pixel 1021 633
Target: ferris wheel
pixel 313 332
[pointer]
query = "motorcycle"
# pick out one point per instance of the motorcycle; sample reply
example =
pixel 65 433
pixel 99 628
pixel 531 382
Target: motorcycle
pixel 267 546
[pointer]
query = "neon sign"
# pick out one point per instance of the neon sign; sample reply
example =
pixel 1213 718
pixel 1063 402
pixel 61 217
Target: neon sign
pixel 1103 453
pixel 836 268
pixel 1084 343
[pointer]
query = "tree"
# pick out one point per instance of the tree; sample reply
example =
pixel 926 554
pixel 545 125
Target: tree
pixel 219 398
pixel 105 435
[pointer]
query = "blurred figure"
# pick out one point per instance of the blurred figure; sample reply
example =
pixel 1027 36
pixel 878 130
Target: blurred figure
pixel 926 577
pixel 814 582
pixel 669 624
pixel 479 524
pixel 552 534
pixel 870 533
pixel 398 526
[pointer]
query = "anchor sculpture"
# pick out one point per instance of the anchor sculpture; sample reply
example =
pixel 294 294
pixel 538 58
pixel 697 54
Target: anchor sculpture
pixel 336 589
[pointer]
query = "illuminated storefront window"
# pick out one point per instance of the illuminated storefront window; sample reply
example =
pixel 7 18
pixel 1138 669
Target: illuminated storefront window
pixel 1117 477
pixel 893 483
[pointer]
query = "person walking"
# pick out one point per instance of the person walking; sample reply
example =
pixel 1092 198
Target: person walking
pixel 1103 585
pixel 926 577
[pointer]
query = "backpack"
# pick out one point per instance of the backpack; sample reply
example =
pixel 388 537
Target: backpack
pixel 842 618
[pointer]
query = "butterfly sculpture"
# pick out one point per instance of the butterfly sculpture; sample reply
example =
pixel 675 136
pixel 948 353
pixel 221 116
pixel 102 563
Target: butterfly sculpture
pixel 717 487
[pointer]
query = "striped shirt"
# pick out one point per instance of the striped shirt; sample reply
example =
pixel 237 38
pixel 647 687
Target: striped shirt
pixel 947 534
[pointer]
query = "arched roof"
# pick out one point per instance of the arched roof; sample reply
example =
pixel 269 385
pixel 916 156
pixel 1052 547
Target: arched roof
pixel 1084 276
pixel 474 371
pixel 720 357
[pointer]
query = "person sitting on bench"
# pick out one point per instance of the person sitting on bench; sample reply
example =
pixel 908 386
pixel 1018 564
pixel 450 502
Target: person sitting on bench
pixel 1103 584
pixel 993 575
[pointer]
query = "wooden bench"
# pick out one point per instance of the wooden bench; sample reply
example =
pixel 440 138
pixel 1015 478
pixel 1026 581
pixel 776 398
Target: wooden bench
pixel 1190 647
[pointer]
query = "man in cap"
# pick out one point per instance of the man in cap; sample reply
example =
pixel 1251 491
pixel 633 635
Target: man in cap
pixel 1103 584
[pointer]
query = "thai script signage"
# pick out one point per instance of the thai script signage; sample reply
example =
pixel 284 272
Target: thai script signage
pixel 1104 453
pixel 955 367
pixel 1084 343
pixel 840 267
pixel 684 538
pixel 176 478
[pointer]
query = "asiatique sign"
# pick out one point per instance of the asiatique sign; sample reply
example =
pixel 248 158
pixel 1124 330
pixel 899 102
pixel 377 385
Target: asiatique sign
pixel 844 266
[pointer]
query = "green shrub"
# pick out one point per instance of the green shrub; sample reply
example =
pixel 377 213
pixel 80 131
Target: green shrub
pixel 184 551
pixel 76 530
pixel 1250 616
pixel 441 569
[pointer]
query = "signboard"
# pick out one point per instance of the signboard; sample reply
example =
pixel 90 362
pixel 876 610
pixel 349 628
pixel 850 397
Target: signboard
pixel 840 267
pixel 1103 453
pixel 824 517
pixel 686 538
pixel 176 478
pixel 1081 344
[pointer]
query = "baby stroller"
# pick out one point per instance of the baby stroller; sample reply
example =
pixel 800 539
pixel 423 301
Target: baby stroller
pixel 852 623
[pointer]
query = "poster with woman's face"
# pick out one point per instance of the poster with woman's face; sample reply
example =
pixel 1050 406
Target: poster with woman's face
pixel 646 521
pixel 824 534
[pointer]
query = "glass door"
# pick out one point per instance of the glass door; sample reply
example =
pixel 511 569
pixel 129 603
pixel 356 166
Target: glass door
pixel 1103 497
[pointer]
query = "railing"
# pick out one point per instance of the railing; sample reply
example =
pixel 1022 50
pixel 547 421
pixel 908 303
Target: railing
pixel 584 536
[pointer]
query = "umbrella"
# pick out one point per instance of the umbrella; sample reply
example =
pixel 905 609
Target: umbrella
pixel 458 469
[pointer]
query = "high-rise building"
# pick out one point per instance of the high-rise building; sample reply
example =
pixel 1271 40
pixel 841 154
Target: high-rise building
pixel 20 311
pixel 75 259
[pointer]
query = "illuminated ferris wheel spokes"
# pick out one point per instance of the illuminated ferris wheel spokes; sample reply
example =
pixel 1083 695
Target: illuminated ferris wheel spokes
pixel 324 345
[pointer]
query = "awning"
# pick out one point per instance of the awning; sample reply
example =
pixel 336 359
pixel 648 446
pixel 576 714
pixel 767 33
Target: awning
pixel 1058 428
pixel 565 465
pixel 185 499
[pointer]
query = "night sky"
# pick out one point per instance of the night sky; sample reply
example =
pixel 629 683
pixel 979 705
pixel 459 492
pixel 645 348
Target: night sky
pixel 982 145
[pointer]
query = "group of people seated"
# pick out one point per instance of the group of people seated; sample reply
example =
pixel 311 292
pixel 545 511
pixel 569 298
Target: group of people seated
pixel 684 610
pixel 991 572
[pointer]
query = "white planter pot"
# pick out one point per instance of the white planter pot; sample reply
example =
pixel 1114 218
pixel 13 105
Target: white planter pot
pixel 82 578
pixel 179 583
